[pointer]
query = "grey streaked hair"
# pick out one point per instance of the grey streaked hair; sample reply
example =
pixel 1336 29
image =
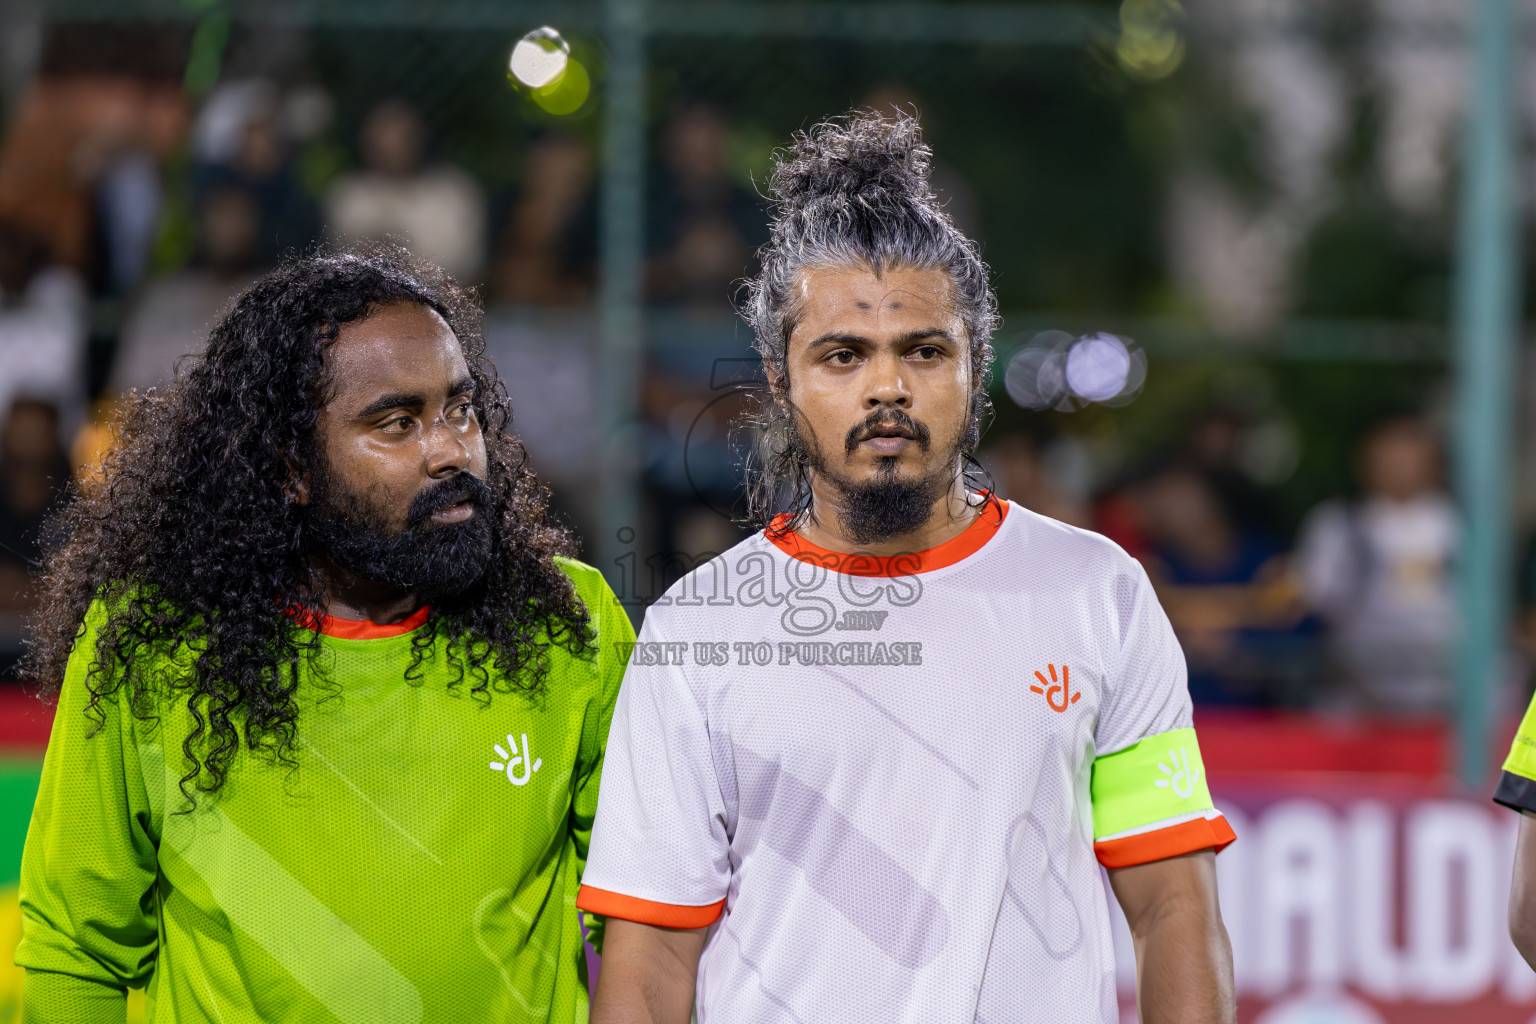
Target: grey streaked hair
pixel 852 191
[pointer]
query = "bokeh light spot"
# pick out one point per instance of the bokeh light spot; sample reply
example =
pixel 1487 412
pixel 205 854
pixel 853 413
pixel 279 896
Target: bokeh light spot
pixel 1151 45
pixel 1098 367
pixel 566 94
pixel 540 58
pixel 1054 370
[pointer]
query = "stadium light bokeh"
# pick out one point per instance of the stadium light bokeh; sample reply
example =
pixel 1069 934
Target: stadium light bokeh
pixel 1055 370
pixel 542 63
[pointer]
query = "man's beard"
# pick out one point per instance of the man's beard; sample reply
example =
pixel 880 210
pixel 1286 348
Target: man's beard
pixel 884 508
pixel 432 560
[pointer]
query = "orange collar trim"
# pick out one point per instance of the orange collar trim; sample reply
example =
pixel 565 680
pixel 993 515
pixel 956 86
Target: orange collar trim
pixel 364 629
pixel 956 549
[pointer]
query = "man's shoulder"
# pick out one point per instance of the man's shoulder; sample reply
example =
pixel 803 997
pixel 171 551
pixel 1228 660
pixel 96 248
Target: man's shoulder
pixel 588 580
pixel 1040 544
pixel 133 608
pixel 596 596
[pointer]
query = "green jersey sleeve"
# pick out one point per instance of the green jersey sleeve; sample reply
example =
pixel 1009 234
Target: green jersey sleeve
pixel 1517 782
pixel 615 638
pixel 90 922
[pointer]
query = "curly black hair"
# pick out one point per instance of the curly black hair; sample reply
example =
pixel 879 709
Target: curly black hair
pixel 852 191
pixel 187 536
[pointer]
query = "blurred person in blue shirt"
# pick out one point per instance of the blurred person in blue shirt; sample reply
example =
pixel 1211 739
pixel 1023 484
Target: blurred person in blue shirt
pixel 1226 590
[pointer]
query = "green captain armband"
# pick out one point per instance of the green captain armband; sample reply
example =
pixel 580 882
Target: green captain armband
pixel 1159 778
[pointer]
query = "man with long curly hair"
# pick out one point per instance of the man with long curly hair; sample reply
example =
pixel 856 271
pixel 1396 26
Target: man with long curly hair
pixel 332 695
pixel 924 717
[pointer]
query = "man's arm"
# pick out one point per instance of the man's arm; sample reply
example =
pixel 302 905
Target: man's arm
pixel 615 638
pixel 90 924
pixel 647 975
pixel 1522 891
pixel 1183 956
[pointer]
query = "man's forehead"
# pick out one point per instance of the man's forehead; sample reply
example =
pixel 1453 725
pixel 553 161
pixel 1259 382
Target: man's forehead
pixel 402 344
pixel 830 296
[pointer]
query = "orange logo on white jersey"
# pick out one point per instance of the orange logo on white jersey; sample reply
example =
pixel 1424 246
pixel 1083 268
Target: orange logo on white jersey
pixel 1052 688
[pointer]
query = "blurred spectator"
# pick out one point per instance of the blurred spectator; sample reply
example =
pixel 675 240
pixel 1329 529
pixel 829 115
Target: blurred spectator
pixel 33 472
pixel 1225 590
pixel 436 211
pixel 1036 475
pixel 79 169
pixel 1214 442
pixel 691 467
pixel 43 322
pixel 703 226
pixel 1377 571
pixel 128 202
pixel 173 315
pixel 245 150
pixel 539 260
pixel 1119 513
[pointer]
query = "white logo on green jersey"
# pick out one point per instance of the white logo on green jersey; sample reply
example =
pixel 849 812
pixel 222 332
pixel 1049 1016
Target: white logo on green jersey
pixel 1183 780
pixel 509 764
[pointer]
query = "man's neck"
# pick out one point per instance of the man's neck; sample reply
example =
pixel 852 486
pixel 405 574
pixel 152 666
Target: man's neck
pixel 949 517
pixel 350 596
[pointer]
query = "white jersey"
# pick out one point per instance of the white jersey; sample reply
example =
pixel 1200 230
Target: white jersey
pixel 887 784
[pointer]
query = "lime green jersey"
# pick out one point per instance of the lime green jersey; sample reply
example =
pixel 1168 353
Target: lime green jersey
pixel 418 863
pixel 1517 782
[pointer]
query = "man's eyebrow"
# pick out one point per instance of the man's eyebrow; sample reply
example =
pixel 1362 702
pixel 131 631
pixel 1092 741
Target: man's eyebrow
pixel 838 338
pixel 394 400
pixel 406 400
pixel 925 334
pixel 844 338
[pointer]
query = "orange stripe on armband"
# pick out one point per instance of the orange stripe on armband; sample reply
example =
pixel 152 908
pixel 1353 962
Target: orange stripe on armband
pixel 1186 837
pixel 662 915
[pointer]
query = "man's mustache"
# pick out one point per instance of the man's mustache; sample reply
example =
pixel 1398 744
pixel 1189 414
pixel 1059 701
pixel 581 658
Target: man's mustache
pixel 450 492
pixel 887 418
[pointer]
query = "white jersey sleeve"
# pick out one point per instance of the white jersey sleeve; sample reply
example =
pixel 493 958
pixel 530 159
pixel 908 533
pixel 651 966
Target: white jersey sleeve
pixel 1150 796
pixel 659 851
pixel 1147 691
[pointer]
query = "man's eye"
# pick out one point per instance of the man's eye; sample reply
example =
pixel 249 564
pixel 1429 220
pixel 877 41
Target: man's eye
pixel 928 352
pixel 842 357
pixel 398 425
pixel 461 412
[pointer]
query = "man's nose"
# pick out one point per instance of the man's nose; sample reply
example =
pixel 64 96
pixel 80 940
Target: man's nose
pixel 446 450
pixel 887 383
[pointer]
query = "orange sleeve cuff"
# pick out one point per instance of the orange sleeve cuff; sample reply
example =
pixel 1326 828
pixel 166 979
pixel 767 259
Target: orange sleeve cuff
pixel 662 915
pixel 1185 837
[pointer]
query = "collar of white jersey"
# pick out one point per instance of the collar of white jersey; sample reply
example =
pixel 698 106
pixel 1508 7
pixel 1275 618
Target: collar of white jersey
pixel 969 541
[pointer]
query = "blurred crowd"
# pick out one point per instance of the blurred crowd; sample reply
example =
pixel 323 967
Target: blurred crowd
pixel 1353 612
pixel 131 211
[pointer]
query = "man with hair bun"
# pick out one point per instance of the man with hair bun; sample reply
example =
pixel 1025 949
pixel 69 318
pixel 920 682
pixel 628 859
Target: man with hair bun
pixel 905 823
